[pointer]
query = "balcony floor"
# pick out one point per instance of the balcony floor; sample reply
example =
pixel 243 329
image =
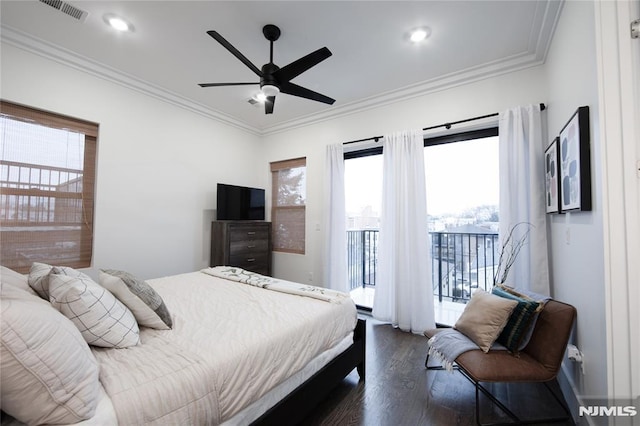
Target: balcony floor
pixel 446 313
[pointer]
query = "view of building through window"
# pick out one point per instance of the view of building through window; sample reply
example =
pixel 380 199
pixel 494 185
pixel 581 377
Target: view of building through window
pixel 461 179
pixel 462 207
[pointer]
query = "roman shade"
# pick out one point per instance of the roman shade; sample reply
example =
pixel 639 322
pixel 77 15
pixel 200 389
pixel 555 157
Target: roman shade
pixel 47 176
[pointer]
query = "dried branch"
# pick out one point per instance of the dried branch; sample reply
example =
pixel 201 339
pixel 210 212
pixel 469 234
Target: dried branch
pixel 509 252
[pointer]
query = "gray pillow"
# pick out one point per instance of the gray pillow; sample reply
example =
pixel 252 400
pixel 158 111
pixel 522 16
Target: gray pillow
pixel 145 303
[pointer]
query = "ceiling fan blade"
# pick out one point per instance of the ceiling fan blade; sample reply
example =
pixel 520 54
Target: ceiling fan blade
pixel 235 52
pixel 303 92
pixel 295 68
pixel 268 104
pixel 224 84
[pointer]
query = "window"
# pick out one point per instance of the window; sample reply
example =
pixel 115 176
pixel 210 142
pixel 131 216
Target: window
pixel 289 192
pixel 461 174
pixel 47 177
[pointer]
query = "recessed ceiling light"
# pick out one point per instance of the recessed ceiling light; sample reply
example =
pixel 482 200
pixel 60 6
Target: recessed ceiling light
pixel 419 34
pixel 118 23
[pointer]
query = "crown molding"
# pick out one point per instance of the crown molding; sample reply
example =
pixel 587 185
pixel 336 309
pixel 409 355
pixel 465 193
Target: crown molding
pixel 545 21
pixel 78 62
pixel 446 82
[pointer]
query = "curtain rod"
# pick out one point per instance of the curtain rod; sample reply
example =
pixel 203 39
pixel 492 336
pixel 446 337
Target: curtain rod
pixel 445 125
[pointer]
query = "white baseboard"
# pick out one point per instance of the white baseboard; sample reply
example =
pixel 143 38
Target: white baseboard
pixel 572 397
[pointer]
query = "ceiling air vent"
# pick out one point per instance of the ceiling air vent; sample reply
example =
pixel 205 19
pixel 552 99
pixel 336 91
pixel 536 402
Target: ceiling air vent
pixel 67 9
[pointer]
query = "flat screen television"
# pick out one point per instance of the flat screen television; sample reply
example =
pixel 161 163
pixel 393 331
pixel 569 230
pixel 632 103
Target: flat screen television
pixel 240 203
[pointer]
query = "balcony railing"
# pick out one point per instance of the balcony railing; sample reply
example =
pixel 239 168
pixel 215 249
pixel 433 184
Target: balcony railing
pixel 460 262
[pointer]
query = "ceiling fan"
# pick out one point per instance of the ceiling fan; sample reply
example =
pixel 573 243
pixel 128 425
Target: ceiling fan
pixel 273 79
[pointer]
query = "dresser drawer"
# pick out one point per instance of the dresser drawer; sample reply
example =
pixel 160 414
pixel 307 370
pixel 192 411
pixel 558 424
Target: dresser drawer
pixel 248 233
pixel 248 247
pixel 249 262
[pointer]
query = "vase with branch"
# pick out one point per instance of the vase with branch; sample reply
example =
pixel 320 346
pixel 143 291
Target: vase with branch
pixel 511 246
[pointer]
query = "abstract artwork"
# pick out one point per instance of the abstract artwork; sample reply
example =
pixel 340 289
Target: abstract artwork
pixel 575 163
pixel 552 182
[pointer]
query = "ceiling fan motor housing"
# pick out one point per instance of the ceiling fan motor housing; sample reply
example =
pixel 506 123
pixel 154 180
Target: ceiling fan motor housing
pixel 267 75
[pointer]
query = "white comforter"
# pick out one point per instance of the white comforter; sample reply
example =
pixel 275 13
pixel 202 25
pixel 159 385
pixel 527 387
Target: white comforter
pixel 230 344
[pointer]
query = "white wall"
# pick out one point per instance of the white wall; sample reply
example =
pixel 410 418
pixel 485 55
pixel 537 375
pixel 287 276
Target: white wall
pixel 576 239
pixel 157 170
pixel 566 81
pixel 464 101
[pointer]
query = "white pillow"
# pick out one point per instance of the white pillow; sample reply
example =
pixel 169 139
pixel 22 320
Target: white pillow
pixel 12 281
pixel 145 303
pixel 39 277
pixel 101 318
pixel 49 374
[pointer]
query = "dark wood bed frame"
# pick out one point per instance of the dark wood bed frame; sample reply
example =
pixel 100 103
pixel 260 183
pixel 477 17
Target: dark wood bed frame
pixel 299 403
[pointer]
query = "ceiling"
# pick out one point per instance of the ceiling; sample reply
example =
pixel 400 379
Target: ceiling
pixel 373 63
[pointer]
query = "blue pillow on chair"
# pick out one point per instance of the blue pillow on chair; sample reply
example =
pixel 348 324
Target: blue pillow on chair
pixel 521 318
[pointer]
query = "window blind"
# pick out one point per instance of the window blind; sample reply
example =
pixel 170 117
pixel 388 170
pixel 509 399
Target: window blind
pixel 47 181
pixel 288 209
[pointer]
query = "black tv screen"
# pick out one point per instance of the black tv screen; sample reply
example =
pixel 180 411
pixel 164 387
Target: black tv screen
pixel 240 203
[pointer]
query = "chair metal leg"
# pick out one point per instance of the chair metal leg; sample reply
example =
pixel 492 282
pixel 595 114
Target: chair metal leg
pixel 515 419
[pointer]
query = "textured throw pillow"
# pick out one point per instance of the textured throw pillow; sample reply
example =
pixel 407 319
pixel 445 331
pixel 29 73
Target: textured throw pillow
pixel 39 277
pixel 520 320
pixel 49 374
pixel 11 280
pixel 484 317
pixel 145 303
pixel 101 318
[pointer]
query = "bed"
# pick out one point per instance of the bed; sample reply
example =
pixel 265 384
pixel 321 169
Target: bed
pixel 241 350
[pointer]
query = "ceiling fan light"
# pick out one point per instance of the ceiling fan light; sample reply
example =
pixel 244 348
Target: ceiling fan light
pixel 260 97
pixel 270 90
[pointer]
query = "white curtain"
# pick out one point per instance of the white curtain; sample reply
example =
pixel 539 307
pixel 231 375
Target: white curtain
pixel 336 244
pixel 522 195
pixel 404 293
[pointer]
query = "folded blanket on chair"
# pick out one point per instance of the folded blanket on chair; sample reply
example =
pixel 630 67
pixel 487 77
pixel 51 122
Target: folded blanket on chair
pixel 251 278
pixel 449 344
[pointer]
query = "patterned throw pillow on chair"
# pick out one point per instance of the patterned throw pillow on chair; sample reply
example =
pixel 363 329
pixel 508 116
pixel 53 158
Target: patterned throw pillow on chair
pixel 521 318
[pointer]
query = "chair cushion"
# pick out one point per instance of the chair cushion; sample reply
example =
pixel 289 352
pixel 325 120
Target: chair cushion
pixel 502 366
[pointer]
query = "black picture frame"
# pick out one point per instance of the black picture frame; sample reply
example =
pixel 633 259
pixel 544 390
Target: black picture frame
pixel 575 163
pixel 552 177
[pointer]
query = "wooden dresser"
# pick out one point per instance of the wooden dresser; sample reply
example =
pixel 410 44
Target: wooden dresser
pixel 243 243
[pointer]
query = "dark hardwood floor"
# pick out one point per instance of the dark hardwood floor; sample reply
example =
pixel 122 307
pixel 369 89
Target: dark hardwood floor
pixel 400 391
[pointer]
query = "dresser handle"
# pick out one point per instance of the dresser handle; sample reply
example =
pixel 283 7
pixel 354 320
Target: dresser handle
pixel 251 233
pixel 251 259
pixel 251 246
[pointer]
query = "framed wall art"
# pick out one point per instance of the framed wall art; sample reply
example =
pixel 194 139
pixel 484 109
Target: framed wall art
pixel 575 163
pixel 552 181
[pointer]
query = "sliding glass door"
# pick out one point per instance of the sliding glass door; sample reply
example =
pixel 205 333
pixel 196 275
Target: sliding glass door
pixel 462 207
